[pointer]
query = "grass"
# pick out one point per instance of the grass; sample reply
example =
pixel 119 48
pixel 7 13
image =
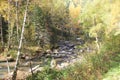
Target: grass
pixel 102 65
pixel 113 74
pixel 89 69
pixel 92 68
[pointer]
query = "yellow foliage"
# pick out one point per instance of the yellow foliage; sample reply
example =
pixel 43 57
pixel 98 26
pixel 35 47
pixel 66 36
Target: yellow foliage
pixel 3 5
pixel 114 18
pixel 3 8
pixel 74 11
pixel 94 30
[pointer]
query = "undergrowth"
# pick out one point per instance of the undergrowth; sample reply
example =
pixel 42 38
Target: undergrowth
pixel 93 68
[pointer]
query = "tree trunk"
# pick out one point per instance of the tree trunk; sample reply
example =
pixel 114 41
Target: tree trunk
pixel 8 66
pixel 1 31
pixel 31 68
pixel 20 44
pixel 17 20
pixel 97 43
pixel 9 26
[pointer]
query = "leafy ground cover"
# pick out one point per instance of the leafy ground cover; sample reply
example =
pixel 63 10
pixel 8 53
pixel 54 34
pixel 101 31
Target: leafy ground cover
pixel 113 74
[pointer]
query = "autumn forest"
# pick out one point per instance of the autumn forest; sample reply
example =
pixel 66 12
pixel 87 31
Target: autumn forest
pixel 59 39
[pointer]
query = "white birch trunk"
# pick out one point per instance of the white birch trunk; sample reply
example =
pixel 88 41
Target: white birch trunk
pixel 9 29
pixel 20 44
pixel 8 66
pixel 97 43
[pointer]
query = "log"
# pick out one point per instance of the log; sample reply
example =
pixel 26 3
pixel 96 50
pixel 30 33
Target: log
pixel 35 69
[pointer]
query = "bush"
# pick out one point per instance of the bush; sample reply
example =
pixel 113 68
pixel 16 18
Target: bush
pixel 97 64
pixel 13 53
pixel 47 74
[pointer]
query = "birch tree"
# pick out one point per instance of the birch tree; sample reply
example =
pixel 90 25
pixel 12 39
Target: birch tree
pixel 20 44
pixel 17 20
pixel 9 24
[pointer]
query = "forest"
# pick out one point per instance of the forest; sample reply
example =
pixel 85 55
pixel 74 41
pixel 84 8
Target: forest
pixel 59 39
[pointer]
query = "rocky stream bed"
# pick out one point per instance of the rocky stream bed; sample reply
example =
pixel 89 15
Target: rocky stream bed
pixel 65 54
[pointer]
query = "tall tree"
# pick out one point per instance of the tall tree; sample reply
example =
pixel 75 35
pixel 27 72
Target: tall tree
pixel 9 25
pixel 1 30
pixel 20 44
pixel 17 20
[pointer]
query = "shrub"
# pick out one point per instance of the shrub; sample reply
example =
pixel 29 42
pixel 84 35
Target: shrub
pixel 47 74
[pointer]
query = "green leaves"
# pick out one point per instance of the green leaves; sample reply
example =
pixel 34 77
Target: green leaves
pixel 96 30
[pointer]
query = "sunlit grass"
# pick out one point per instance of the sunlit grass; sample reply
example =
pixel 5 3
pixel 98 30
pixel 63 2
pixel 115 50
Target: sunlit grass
pixel 113 74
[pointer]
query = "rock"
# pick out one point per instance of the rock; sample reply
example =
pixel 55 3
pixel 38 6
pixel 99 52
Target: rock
pixel 27 58
pixel 0 67
pixel 81 50
pixel 71 49
pixel 38 51
pixel 78 39
pixel 62 51
pixel 26 64
pixel 48 51
pixel 10 59
pixel 88 49
pixel 62 65
pixel 53 63
pixel 22 56
pixel 56 56
pixel 8 55
pixel 62 48
pixel 66 52
pixel 67 42
pixel 55 51
pixel 70 45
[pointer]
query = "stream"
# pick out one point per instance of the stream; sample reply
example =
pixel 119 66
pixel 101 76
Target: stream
pixel 66 53
pixel 24 67
pixel 3 69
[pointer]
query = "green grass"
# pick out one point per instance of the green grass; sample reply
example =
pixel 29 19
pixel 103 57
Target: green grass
pixel 96 67
pixel 113 74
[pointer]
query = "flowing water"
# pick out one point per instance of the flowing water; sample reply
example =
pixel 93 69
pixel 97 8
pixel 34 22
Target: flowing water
pixel 23 67
pixel 66 52
pixel 4 69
